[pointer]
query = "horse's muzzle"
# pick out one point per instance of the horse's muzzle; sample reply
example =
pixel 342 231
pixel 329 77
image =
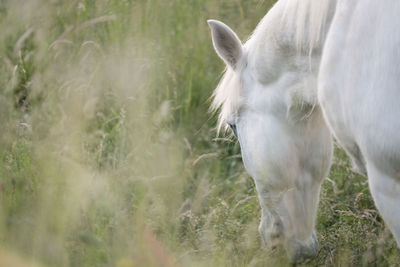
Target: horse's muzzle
pixel 300 251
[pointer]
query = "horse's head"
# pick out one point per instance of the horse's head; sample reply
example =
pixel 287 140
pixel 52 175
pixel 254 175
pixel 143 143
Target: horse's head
pixel 267 96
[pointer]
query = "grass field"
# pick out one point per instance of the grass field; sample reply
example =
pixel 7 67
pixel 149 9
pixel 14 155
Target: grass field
pixel 109 157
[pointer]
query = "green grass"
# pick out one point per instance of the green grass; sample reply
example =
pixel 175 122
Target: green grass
pixel 109 157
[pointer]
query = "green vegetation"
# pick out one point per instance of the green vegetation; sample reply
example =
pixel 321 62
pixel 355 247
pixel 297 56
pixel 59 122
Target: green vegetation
pixel 108 156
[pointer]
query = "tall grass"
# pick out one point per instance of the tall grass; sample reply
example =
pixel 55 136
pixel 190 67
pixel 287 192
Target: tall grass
pixel 108 156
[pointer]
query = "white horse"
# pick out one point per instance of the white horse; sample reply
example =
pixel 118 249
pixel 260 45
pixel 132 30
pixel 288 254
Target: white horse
pixel 310 69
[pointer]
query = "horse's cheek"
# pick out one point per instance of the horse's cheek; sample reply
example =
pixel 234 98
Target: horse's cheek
pixel 267 158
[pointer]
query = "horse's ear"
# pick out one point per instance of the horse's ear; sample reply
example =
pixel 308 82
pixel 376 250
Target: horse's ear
pixel 226 43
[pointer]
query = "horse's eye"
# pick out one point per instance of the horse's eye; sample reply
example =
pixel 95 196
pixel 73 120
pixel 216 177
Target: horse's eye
pixel 233 127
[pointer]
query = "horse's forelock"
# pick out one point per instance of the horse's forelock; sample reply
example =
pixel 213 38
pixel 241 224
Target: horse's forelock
pixel 226 97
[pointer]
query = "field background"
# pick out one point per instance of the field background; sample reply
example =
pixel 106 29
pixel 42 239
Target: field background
pixel 109 157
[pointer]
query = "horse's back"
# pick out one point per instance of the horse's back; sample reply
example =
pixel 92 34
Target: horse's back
pixel 359 85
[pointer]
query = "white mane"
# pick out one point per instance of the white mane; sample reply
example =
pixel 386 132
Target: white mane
pixel 307 19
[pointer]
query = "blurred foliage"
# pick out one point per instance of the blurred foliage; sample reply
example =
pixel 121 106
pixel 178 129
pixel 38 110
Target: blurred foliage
pixel 109 157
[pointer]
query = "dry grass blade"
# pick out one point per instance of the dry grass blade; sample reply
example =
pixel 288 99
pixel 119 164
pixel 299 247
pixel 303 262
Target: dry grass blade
pixel 95 21
pixel 204 156
pixel 22 39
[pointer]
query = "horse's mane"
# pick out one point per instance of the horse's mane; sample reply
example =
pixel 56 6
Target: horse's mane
pixel 309 20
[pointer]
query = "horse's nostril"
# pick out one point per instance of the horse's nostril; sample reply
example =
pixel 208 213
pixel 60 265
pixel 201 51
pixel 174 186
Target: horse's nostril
pixel 277 229
pixel 275 235
pixel 278 224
